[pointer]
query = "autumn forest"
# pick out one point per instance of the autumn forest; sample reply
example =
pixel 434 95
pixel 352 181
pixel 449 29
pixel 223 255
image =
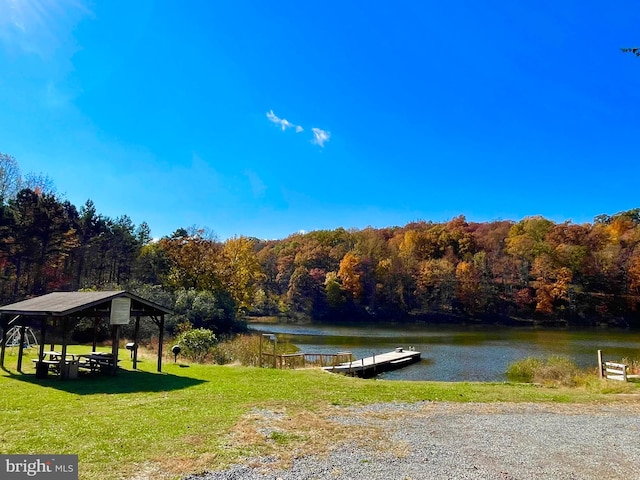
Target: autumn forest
pixel 457 271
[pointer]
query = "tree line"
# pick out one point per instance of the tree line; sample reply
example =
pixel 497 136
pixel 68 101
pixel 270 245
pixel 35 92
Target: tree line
pixel 533 269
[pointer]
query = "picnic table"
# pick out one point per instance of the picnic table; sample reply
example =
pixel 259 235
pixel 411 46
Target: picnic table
pixel 53 361
pixel 94 361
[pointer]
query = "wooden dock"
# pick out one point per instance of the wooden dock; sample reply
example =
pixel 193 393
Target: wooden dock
pixel 371 366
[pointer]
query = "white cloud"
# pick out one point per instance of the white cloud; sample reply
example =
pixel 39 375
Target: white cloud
pixel 283 122
pixel 320 136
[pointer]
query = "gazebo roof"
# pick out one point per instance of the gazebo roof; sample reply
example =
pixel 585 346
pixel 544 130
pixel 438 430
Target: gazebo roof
pixel 60 304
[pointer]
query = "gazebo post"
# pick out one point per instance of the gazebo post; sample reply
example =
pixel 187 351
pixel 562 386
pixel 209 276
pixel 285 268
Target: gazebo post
pixel 43 333
pixel 160 340
pixel 53 345
pixel 5 325
pixel 64 372
pixel 136 331
pixel 115 341
pixel 23 327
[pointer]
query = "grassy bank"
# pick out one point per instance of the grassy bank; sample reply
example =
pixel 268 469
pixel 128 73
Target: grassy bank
pixel 196 417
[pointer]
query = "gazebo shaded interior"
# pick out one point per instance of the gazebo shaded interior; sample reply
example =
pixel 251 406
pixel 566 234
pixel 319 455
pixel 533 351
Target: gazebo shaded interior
pixel 68 308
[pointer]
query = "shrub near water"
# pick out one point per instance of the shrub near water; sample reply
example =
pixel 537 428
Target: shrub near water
pixel 556 370
pixel 196 344
pixel 524 370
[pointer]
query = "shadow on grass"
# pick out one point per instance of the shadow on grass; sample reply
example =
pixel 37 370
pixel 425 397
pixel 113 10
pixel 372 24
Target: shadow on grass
pixel 126 381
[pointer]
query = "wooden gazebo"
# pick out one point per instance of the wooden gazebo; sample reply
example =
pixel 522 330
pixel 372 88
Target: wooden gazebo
pixel 67 308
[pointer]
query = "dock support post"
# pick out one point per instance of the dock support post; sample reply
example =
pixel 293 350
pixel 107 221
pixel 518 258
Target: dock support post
pixel 600 372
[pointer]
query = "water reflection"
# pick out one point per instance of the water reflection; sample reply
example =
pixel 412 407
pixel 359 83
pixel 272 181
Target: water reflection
pixel 460 353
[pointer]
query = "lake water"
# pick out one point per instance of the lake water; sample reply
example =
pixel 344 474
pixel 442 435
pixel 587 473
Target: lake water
pixel 459 353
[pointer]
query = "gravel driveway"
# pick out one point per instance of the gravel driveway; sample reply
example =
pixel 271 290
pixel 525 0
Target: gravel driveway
pixel 434 440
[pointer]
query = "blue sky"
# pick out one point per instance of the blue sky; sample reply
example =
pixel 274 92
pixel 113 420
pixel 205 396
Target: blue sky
pixel 267 118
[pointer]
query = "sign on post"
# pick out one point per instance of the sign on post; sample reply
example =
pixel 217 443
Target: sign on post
pixel 120 311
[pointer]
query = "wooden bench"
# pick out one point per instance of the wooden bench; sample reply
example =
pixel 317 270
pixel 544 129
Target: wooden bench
pixel 51 364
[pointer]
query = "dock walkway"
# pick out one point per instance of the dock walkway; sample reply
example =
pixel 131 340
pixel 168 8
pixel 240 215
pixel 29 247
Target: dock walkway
pixel 371 366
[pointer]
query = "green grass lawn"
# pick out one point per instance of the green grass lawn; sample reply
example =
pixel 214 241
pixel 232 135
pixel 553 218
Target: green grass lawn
pixel 179 421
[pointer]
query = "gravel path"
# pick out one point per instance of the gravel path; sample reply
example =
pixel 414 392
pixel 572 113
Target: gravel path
pixel 504 441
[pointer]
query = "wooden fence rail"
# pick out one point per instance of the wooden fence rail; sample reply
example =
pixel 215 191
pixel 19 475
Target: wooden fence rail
pixel 303 360
pixel 615 371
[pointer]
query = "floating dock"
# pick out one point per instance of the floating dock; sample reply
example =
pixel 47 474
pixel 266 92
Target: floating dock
pixel 371 366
